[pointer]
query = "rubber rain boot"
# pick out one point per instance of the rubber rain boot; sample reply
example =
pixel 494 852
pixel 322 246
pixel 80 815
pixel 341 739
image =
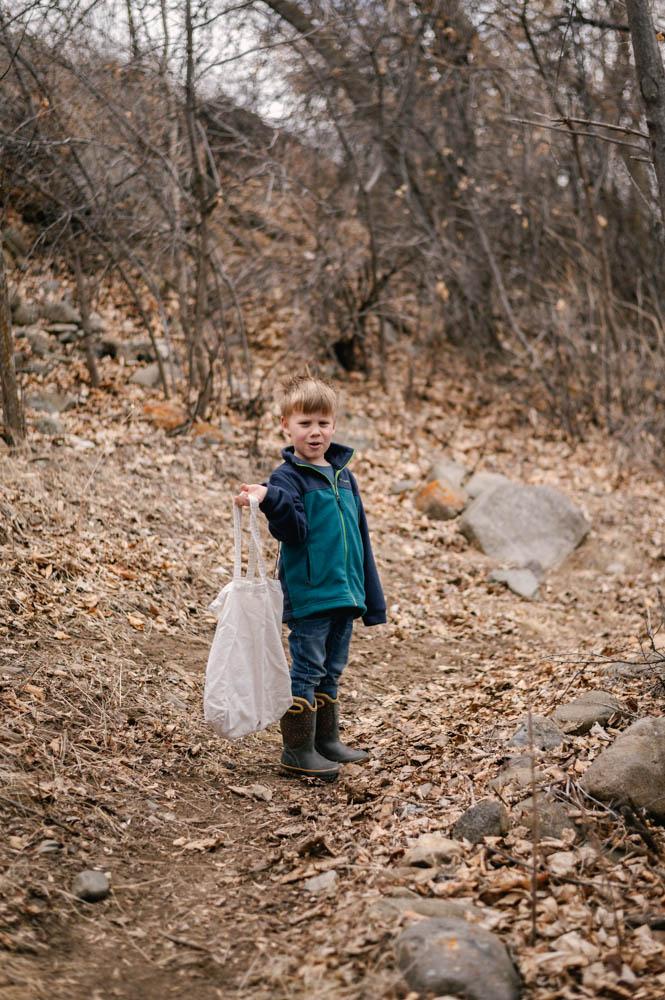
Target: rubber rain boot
pixel 327 739
pixel 299 757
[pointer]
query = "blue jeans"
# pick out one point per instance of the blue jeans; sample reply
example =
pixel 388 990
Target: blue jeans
pixel 319 648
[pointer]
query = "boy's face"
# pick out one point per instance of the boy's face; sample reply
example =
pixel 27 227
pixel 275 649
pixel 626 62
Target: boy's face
pixel 310 434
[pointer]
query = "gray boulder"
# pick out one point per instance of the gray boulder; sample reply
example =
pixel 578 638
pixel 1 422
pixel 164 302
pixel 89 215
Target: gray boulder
pixel 524 525
pixel 580 714
pixel 632 770
pixel 448 956
pixel 488 818
pixel 546 734
pixel 483 482
pixel 522 582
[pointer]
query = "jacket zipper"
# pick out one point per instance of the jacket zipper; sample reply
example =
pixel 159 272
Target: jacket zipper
pixel 335 489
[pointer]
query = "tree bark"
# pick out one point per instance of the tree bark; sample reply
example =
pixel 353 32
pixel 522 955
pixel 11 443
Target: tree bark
pixel 11 404
pixel 651 79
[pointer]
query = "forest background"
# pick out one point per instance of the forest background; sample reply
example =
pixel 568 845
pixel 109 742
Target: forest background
pixel 365 175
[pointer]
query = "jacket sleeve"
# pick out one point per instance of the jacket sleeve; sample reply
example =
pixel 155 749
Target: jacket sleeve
pixel 284 508
pixel 374 599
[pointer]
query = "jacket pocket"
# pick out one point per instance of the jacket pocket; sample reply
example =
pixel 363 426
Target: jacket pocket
pixel 308 568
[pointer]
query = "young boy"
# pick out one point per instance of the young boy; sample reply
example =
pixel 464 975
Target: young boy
pixel 326 569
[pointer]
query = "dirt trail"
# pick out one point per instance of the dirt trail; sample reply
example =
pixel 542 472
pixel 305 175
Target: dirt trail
pixel 109 765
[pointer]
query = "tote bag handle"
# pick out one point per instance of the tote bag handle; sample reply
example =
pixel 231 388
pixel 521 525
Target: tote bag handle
pixel 255 557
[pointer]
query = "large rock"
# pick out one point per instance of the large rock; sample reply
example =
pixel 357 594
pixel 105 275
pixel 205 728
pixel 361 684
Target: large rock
pixel 545 733
pixel 580 714
pixel 448 956
pixel 440 500
pixel 488 818
pixel 524 525
pixel 632 770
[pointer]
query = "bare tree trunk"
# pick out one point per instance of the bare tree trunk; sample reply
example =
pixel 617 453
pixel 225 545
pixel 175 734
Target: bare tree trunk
pixel 651 79
pixel 11 404
pixel 84 305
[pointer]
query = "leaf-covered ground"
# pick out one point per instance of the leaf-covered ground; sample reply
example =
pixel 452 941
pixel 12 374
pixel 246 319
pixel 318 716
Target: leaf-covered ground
pixel 113 541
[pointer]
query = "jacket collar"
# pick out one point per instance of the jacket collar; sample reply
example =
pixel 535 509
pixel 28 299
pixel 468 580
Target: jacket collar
pixel 338 455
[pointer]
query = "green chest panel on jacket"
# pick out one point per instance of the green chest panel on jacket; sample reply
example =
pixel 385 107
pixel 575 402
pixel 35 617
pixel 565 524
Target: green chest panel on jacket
pixel 326 571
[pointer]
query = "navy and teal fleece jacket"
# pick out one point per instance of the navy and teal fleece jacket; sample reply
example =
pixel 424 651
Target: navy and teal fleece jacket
pixel 326 559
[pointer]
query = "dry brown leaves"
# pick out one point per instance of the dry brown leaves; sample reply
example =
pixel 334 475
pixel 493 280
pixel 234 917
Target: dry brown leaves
pixel 111 551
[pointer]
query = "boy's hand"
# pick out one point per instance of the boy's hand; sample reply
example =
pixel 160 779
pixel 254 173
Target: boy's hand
pixel 255 490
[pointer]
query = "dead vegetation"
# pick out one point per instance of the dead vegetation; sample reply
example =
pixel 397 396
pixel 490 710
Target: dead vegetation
pixel 116 536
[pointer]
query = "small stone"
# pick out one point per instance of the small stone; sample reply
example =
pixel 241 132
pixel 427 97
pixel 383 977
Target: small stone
pixel 79 443
pixel 632 770
pixel 40 343
pixel 446 470
pixel 562 862
pixel 96 323
pixel 326 882
pixel 149 376
pixel 483 482
pixel 177 702
pixel 551 817
pixel 432 849
pixel 60 312
pixel 546 734
pixel 50 426
pixel 390 907
pixel 91 886
pixel 403 486
pixel 48 847
pixel 580 714
pixel 50 402
pixel 488 818
pixel 440 500
pixel 450 957
pixel 25 314
pixel 65 332
pixel 522 582
pixel 518 774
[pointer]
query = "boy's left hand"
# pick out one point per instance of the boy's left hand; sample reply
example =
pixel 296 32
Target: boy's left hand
pixel 254 489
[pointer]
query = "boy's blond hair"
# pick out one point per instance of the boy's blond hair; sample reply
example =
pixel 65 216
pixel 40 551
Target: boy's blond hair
pixel 305 394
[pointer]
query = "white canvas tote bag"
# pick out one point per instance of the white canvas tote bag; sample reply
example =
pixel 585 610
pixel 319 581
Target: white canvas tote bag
pixel 247 682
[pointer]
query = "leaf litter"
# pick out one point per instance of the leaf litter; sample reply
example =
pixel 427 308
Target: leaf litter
pixel 110 555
